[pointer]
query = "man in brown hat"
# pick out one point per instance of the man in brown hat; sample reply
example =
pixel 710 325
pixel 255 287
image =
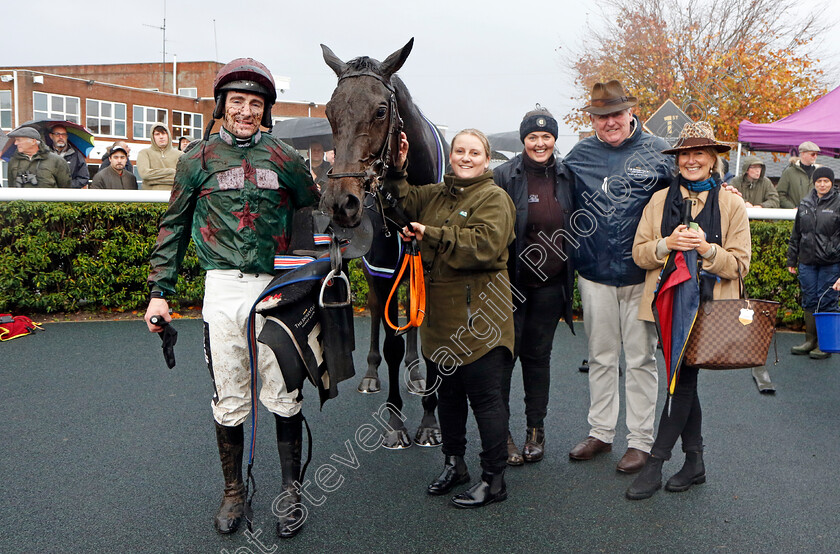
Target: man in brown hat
pixel 616 172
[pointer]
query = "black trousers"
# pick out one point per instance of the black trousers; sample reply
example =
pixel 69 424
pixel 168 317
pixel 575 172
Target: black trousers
pixel 480 383
pixel 681 417
pixel 535 322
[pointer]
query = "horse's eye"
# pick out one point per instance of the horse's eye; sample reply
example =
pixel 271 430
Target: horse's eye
pixel 380 112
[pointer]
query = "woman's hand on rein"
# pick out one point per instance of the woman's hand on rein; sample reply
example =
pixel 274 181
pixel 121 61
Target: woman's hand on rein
pixel 413 230
pixel 402 155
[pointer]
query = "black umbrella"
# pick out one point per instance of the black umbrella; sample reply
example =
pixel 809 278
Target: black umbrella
pixel 508 141
pixel 301 131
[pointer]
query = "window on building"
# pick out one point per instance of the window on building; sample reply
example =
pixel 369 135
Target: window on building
pixel 105 119
pixel 3 169
pixel 56 106
pixel 144 118
pixel 192 92
pixel 6 110
pixel 187 124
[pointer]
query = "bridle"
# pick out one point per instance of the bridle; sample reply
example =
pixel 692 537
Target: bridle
pixel 376 170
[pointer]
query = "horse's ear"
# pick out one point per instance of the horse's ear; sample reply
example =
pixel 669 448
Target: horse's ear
pixel 333 61
pixel 395 61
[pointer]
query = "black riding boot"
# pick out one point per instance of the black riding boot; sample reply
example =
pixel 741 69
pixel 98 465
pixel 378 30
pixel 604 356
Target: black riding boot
pixel 490 489
pixel 231 441
pixel 693 472
pixel 648 481
pixel 454 473
pixel 290 517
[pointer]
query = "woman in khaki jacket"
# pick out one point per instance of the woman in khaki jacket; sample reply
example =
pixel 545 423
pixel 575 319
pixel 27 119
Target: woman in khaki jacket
pixel 722 242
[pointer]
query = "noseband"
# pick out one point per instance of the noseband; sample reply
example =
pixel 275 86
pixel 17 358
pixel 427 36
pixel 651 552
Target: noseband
pixel 375 172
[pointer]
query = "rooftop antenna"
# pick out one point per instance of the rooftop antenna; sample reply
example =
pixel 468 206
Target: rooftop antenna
pixel 215 40
pixel 163 63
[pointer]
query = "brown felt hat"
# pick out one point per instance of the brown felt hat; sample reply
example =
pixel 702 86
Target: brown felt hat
pixel 608 98
pixel 698 134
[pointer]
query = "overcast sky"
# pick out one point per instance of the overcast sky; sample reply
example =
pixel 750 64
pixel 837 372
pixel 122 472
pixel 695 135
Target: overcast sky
pixel 474 64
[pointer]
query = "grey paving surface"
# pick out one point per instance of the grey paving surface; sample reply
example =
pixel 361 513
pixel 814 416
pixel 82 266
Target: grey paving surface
pixel 106 450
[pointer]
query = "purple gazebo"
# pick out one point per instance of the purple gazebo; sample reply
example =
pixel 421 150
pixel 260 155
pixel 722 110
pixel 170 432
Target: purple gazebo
pixel 818 122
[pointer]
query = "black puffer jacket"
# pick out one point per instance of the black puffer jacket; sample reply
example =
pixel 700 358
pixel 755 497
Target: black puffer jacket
pixel 511 177
pixel 816 231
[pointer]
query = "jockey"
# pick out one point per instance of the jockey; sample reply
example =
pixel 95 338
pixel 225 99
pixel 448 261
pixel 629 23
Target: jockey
pixel 235 195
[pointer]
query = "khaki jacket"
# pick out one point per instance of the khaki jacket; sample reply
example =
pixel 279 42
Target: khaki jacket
pixel 156 166
pixel 735 238
pixel 469 225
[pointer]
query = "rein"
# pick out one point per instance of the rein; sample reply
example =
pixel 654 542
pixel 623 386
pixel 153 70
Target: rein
pixel 375 172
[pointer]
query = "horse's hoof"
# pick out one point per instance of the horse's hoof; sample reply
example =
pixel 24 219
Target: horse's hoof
pixel 396 440
pixel 417 387
pixel 428 437
pixel 369 385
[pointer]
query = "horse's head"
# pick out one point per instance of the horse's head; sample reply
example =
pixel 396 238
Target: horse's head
pixel 366 126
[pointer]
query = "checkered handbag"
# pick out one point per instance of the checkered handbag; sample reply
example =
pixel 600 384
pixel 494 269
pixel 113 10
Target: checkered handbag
pixel 723 337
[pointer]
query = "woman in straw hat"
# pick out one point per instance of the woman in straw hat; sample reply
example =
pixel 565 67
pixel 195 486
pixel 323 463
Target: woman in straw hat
pixel 719 232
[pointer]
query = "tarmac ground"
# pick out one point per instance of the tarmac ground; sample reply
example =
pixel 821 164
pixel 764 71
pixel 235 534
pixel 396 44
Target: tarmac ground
pixel 107 450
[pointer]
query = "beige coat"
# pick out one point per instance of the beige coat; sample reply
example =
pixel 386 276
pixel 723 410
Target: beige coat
pixel 735 236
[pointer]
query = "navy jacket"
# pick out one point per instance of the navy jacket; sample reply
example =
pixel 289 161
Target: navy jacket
pixel 614 184
pixel 511 177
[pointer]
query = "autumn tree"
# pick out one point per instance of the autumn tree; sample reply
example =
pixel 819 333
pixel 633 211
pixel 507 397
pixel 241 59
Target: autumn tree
pixel 719 60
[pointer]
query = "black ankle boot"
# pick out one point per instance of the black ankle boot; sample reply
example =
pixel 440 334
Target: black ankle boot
pixel 290 515
pixel 648 481
pixel 231 441
pixel 454 473
pixel 693 472
pixel 490 489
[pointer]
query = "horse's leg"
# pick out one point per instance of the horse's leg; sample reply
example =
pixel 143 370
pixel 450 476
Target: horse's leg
pixel 370 382
pixel 393 349
pixel 428 434
pixel 415 384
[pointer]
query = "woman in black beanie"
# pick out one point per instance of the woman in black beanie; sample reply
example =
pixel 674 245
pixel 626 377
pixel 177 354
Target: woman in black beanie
pixel 540 268
pixel 814 253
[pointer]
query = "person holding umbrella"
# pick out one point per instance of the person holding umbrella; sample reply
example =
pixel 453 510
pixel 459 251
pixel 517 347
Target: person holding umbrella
pixel 33 165
pixel 60 143
pixel 717 237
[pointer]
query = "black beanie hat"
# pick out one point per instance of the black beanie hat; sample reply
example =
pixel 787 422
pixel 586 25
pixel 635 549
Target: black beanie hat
pixel 823 172
pixel 537 120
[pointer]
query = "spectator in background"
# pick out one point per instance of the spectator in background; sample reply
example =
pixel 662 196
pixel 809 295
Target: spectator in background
pixel 183 142
pixel 317 165
pixel 756 189
pixel 814 247
pixel 115 175
pixel 796 182
pixel 106 157
pixel 156 164
pixel 58 142
pixel 33 165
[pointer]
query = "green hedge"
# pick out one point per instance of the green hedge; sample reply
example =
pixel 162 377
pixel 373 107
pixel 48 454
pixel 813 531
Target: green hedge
pixel 64 257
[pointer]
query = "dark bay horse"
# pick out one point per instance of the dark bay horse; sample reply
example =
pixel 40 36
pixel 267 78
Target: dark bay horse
pixel 367 111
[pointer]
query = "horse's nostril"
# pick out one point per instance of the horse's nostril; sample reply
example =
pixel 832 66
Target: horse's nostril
pixel 352 205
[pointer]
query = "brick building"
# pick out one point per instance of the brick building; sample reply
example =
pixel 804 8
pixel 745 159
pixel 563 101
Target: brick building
pixel 123 101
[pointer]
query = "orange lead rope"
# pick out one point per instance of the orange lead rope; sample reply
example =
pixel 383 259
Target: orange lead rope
pixel 417 289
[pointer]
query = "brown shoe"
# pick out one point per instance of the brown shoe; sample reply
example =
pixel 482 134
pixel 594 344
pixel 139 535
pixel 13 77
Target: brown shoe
pixel 534 444
pixel 514 457
pixel 587 449
pixel 633 461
